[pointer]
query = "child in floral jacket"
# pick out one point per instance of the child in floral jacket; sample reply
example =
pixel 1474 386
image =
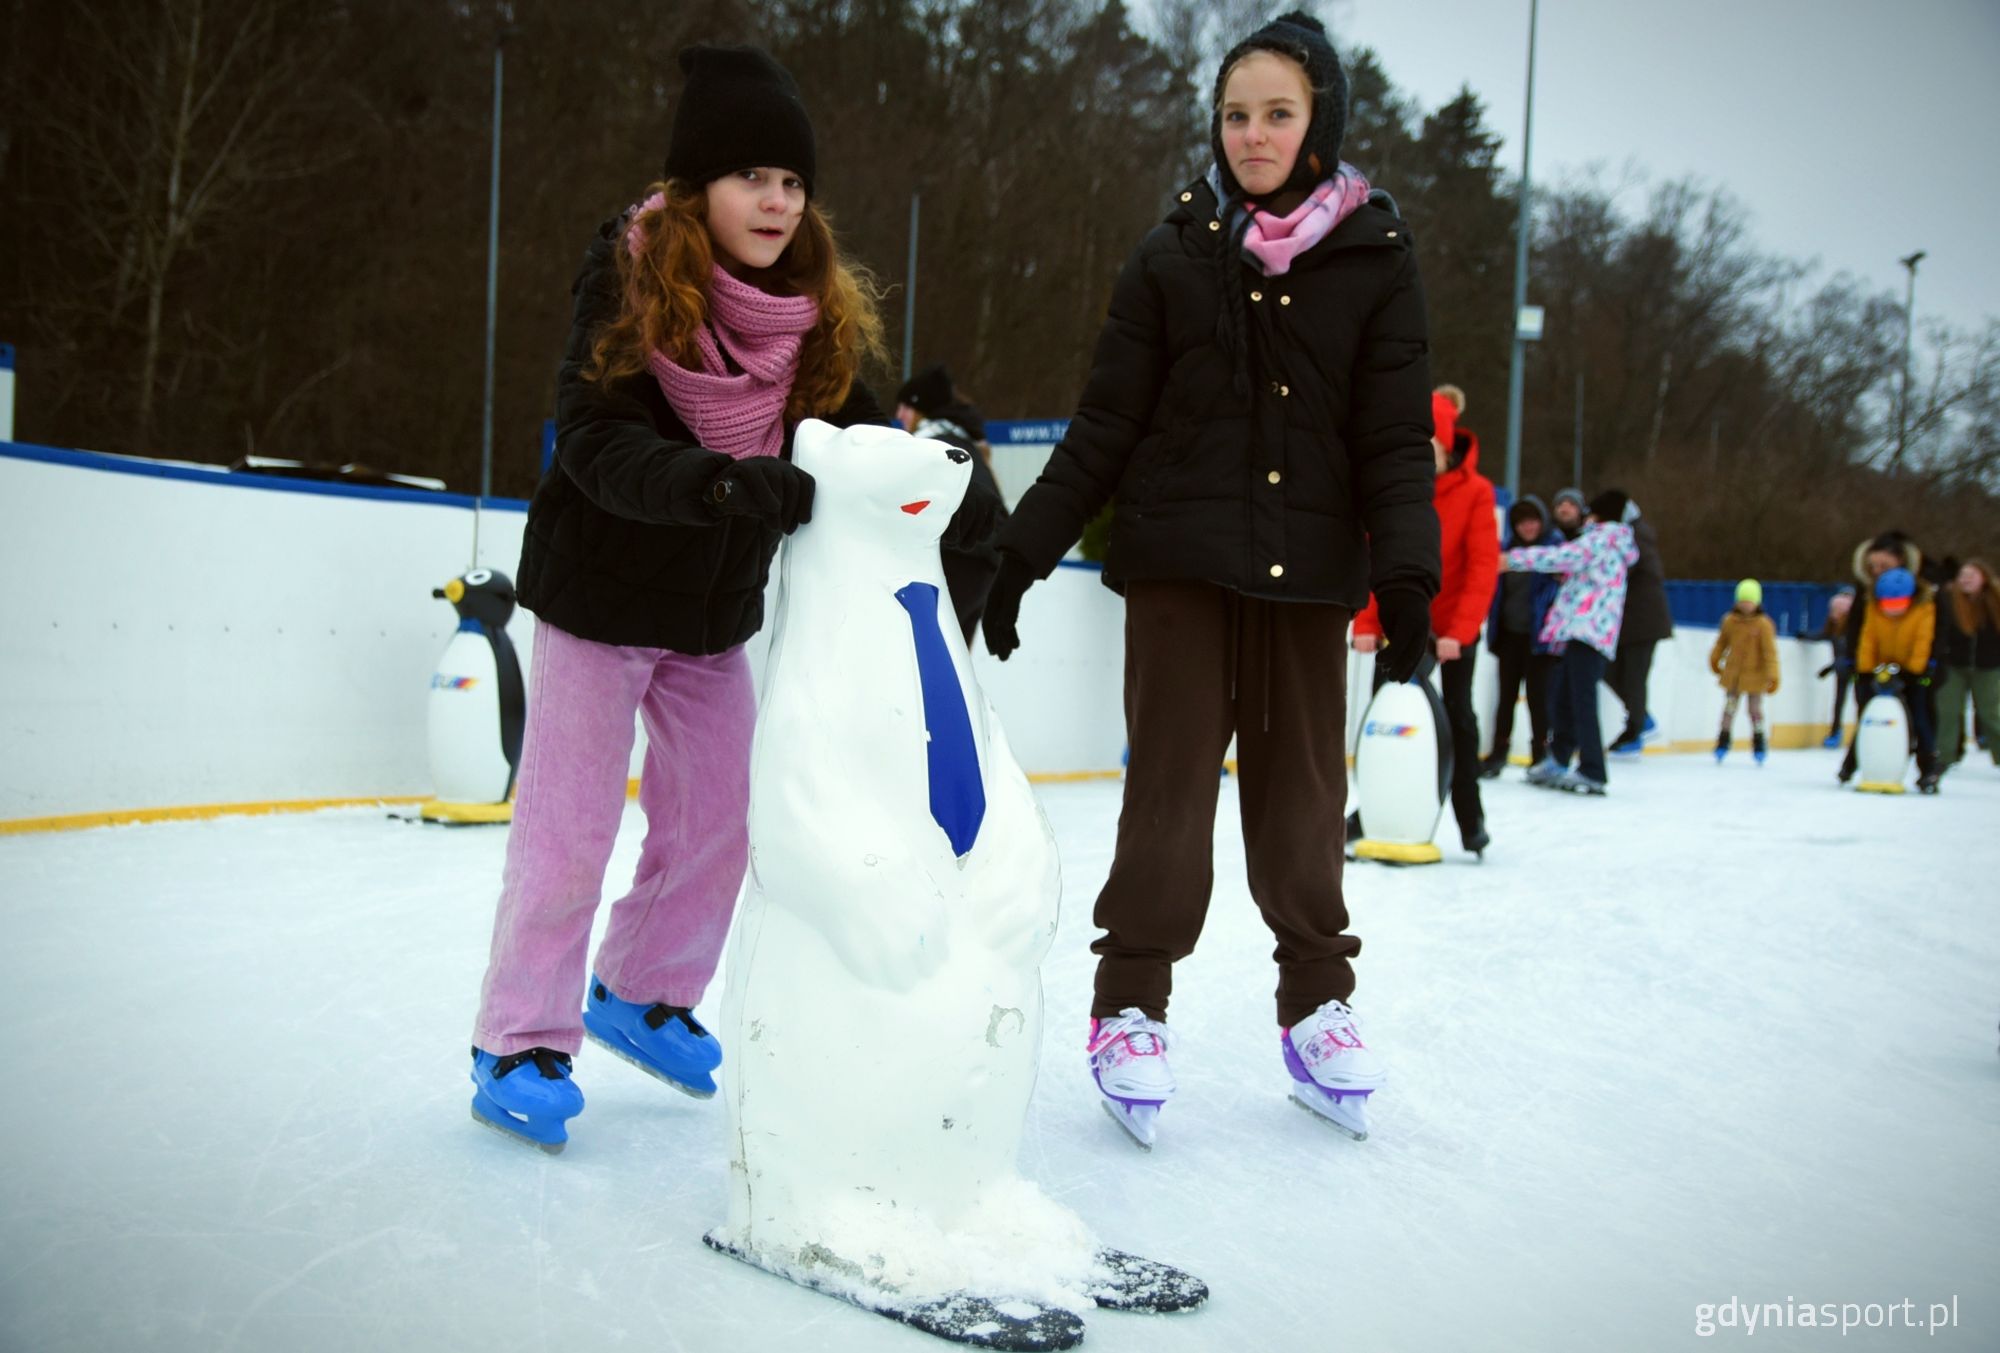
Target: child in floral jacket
pixel 1584 624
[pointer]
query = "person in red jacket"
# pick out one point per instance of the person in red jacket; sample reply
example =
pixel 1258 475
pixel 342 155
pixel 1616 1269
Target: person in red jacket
pixel 1471 538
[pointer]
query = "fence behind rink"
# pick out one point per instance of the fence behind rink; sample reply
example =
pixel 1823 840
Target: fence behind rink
pixel 182 637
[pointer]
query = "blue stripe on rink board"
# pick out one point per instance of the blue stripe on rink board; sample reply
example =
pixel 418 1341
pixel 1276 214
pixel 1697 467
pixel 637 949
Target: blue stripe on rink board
pixel 221 478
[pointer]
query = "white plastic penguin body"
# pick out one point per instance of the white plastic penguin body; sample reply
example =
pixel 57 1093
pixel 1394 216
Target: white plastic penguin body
pixel 477 704
pixel 1400 774
pixel 884 1007
pixel 1882 745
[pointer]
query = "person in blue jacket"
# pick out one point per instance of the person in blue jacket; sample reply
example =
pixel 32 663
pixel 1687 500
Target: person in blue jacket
pixel 1513 634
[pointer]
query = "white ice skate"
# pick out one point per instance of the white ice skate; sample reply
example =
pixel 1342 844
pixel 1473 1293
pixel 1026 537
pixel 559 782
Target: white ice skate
pixel 1333 1071
pixel 1128 1060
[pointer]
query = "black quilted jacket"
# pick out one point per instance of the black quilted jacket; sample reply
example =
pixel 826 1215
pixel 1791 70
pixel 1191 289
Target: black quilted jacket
pixel 619 547
pixel 1315 484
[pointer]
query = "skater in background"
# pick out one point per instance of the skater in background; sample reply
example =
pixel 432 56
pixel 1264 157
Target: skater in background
pixel 1745 661
pixel 1649 620
pixel 1896 638
pixel 1261 494
pixel 1471 570
pixel 708 320
pixel 1521 604
pixel 929 405
pixel 1968 659
pixel 1583 623
pixel 1569 508
pixel 1833 630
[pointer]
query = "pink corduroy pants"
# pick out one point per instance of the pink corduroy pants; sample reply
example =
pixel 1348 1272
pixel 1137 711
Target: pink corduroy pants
pixel 666 933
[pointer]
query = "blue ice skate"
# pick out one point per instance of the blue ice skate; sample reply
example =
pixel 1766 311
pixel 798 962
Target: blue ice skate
pixel 1650 734
pixel 527 1095
pixel 1546 772
pixel 1832 741
pixel 664 1041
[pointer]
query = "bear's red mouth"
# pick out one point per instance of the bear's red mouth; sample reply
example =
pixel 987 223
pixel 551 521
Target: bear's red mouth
pixel 914 508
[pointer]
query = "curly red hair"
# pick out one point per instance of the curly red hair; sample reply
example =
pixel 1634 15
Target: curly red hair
pixel 665 288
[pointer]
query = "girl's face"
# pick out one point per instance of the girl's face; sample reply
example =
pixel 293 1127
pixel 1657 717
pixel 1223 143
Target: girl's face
pixel 1970 580
pixel 752 216
pixel 1266 109
pixel 1528 530
pixel 1879 562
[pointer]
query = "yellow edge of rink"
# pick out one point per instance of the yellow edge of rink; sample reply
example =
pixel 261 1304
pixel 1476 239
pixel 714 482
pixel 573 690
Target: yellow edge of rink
pixel 1784 737
pixel 125 817
pixel 466 814
pixel 1398 852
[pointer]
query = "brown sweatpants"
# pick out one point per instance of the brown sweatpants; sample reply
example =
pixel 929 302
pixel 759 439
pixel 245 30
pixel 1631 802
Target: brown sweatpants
pixel 1202 662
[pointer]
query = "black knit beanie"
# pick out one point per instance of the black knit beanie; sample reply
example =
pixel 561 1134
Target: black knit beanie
pixel 1302 38
pixel 927 391
pixel 739 109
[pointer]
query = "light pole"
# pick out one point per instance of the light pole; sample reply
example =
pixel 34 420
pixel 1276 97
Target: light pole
pixel 1909 326
pixel 505 31
pixel 910 291
pixel 1520 355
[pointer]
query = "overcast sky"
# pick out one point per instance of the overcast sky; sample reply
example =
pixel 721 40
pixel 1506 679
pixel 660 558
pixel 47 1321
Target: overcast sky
pixel 1854 131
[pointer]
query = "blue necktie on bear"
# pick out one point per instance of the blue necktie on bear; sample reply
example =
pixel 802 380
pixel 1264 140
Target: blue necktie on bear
pixel 958 798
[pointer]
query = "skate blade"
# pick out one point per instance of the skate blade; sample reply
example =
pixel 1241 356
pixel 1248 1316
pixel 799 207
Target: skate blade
pixel 1140 1121
pixel 515 1135
pixel 1012 1324
pixel 1334 1113
pixel 627 1055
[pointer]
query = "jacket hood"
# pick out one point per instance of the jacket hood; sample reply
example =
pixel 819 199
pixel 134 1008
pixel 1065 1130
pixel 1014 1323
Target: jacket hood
pixel 1540 511
pixel 964 415
pixel 1913 560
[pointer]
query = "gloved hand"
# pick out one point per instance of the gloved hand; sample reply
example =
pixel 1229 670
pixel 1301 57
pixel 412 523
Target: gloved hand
pixel 775 491
pixel 1003 606
pixel 1406 629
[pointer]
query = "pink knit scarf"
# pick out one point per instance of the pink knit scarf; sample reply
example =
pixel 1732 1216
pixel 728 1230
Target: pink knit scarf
pixel 1272 242
pixel 740 413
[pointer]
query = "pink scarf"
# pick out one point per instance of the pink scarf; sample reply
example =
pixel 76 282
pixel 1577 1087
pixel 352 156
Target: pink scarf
pixel 739 413
pixel 1272 242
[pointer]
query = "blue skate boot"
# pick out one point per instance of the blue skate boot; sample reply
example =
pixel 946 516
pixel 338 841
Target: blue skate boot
pixel 664 1041
pixel 527 1095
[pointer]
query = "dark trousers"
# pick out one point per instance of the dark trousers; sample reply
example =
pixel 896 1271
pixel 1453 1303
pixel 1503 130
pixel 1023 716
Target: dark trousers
pixel 1520 663
pixel 1455 686
pixel 1573 729
pixel 1627 676
pixel 1201 663
pixel 1841 678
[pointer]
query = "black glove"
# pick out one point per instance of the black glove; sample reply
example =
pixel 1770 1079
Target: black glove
pixel 1003 606
pixel 1405 613
pixel 776 492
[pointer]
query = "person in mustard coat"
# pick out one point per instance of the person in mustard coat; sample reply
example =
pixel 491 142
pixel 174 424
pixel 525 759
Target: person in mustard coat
pixel 1745 659
pixel 1896 638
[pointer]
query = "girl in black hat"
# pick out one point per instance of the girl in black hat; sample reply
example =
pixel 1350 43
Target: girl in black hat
pixel 709 320
pixel 1259 410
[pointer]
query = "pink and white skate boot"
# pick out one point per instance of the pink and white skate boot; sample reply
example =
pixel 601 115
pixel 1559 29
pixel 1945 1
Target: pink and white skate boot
pixel 1333 1071
pixel 1128 1060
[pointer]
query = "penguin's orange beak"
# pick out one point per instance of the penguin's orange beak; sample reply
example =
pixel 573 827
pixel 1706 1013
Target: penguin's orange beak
pixel 454 590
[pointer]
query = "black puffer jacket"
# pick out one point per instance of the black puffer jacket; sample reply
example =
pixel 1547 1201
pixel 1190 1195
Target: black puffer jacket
pixel 1955 647
pixel 1648 617
pixel 1316 485
pixel 620 548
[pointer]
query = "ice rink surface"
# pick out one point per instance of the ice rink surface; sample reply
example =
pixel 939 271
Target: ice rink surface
pixel 1727 1033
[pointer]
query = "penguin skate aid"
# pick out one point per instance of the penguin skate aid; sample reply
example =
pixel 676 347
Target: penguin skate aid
pixel 644 560
pixel 1236 612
